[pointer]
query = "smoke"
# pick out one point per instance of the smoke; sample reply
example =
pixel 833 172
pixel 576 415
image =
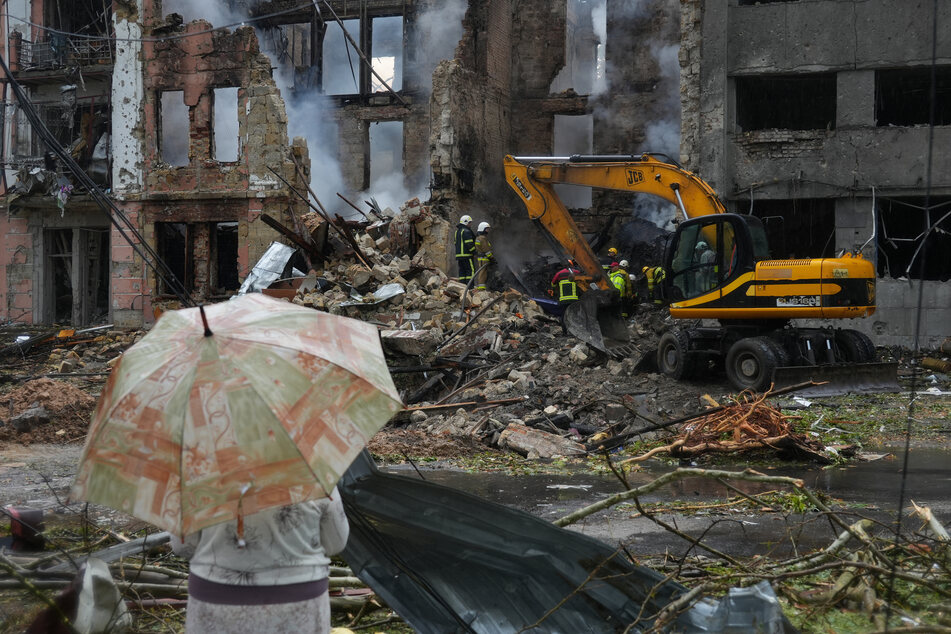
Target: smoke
pixel 438 30
pixel 311 113
pixel 663 135
pixel 599 19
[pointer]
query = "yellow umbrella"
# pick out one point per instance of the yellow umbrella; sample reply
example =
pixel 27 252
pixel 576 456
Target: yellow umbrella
pixel 232 409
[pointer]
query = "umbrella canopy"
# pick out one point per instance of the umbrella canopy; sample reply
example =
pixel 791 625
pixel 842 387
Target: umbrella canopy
pixel 266 406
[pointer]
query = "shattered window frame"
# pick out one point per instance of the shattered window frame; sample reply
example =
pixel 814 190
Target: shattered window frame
pixel 367 85
pixel 902 226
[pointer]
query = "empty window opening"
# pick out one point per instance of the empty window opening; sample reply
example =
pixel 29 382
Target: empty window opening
pixel 798 228
pixel 76 276
pixel 903 225
pixel 387 47
pixel 341 64
pixel 225 247
pixel 226 125
pixel 203 256
pixel 386 153
pixel 172 240
pixel 801 102
pixel 903 96
pixel 80 124
pixel 573 135
pixel 585 35
pixel 59 258
pixel 174 127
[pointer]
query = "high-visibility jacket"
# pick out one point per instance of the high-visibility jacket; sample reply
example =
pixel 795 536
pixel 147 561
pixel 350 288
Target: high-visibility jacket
pixel 483 249
pixel 655 278
pixel 465 241
pixel 564 282
pixel 621 282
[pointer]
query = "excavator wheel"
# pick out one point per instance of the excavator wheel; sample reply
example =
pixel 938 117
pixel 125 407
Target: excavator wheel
pixel 750 363
pixel 855 346
pixel 673 356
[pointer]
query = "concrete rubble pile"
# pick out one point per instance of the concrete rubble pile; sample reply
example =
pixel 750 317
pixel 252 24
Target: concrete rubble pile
pixel 521 384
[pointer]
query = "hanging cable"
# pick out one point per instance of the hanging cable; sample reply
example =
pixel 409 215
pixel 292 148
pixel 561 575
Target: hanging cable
pixel 116 216
pixel 916 343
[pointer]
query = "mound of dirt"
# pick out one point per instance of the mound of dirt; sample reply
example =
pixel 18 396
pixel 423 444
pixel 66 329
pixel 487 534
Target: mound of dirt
pixel 419 444
pixel 69 407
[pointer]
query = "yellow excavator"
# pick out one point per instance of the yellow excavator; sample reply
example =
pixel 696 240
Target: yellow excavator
pixel 718 267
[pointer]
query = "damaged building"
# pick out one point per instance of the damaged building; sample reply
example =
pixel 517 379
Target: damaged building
pixel 182 126
pixel 815 116
pixel 182 121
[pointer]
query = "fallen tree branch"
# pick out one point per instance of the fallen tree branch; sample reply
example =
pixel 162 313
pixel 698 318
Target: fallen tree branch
pixel 749 475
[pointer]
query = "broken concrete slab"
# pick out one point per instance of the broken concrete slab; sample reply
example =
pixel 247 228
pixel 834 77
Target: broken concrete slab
pixel 409 342
pixel 534 443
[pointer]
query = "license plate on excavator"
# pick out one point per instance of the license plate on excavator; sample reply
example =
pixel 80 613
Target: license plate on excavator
pixel 839 378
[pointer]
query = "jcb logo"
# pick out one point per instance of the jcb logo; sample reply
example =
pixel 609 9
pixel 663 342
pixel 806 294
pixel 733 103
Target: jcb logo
pixel 634 177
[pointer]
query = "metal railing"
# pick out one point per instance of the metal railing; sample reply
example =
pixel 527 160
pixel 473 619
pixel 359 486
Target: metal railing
pixel 61 51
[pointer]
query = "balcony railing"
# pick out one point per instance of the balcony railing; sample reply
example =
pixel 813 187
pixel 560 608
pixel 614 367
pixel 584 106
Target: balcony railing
pixel 62 51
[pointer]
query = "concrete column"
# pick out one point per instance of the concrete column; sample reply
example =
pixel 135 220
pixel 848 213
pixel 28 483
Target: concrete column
pixel 714 161
pixel 855 99
pixel 128 96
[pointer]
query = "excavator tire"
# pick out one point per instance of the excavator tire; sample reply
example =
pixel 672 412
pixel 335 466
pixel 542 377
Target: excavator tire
pixel 750 363
pixel 855 346
pixel 673 354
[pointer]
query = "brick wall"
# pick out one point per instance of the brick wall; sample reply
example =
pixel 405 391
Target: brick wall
pixel 16 270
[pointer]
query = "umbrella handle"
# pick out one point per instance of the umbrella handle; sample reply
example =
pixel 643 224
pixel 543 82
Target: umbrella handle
pixel 204 320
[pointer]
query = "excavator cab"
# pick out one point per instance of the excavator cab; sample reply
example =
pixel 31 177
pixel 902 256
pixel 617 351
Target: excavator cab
pixel 708 253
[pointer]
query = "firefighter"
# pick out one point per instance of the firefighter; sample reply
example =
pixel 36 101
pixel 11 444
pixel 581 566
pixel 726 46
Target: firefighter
pixel 609 259
pixel 622 282
pixel 566 289
pixel 483 249
pixel 655 280
pixel 465 248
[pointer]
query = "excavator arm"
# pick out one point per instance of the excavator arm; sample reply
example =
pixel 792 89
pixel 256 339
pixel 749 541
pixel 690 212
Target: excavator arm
pixel 595 319
pixel 533 178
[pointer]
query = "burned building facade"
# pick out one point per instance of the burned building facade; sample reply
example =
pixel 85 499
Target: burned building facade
pixel 181 125
pixel 182 122
pixel 815 115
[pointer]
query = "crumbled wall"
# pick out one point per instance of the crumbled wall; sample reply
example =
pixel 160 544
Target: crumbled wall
pixel 691 20
pixel 206 190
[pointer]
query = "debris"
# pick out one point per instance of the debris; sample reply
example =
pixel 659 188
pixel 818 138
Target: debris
pixel 26 420
pixel 269 268
pixel 746 425
pixel 535 443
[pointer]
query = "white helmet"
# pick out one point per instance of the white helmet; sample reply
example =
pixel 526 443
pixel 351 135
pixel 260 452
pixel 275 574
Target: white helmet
pixel 483 226
pixel 623 264
pixel 466 220
pixel 701 245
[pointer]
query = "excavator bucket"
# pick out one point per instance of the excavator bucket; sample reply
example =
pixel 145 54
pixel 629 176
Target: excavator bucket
pixel 839 378
pixel 596 319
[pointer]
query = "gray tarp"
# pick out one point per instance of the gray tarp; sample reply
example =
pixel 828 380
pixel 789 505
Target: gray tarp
pixel 447 561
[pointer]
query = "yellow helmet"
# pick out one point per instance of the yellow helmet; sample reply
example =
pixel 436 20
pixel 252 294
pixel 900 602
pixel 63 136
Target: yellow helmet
pixel 612 251
pixel 645 269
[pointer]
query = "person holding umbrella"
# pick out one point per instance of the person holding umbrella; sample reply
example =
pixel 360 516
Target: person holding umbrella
pixel 274 579
pixel 230 426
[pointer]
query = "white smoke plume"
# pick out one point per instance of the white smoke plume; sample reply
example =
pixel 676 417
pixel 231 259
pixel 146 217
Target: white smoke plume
pixel 438 31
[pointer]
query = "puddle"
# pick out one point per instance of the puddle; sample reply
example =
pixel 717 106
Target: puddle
pixel 869 488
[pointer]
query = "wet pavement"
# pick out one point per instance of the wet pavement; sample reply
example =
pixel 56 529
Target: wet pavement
pixel 865 489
